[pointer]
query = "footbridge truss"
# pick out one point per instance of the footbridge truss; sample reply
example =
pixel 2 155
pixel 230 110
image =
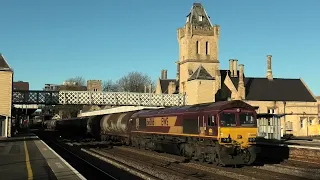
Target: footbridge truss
pixel 97 98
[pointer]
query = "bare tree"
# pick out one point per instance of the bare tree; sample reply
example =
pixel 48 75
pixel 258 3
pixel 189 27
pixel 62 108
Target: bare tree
pixel 77 81
pixel 109 86
pixel 134 82
pixel 74 84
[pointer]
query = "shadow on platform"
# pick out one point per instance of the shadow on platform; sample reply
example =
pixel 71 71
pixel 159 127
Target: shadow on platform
pixel 271 155
pixel 272 151
pixel 20 137
pixel 31 161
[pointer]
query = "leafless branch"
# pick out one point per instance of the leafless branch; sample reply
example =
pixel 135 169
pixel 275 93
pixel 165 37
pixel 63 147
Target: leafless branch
pixel 134 82
pixel 109 86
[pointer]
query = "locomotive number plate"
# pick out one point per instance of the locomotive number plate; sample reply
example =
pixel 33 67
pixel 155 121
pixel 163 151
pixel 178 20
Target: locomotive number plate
pixel 149 122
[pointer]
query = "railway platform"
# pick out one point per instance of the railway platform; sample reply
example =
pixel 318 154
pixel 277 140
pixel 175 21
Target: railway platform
pixel 25 156
pixel 312 144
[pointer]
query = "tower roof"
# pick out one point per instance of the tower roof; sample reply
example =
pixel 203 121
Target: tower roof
pixel 201 73
pixel 198 16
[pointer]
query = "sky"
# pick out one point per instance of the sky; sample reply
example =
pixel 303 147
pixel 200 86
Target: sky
pixel 51 41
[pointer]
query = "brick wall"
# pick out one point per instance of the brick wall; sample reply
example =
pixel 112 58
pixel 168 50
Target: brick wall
pixel 6 96
pixel 5 92
pixel 94 85
pixel 20 86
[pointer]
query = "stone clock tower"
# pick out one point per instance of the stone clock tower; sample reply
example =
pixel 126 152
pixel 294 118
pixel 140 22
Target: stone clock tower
pixel 198 68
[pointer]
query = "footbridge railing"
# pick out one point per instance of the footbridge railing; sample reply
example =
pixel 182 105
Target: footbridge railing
pixel 97 98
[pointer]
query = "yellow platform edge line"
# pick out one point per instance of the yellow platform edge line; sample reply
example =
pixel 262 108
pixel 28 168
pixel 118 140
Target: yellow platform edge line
pixel 30 174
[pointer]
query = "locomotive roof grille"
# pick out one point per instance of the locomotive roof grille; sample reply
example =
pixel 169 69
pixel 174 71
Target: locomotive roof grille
pixel 217 106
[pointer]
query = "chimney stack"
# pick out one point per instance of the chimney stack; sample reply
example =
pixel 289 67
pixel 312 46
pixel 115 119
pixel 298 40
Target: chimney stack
pixel 163 74
pixel 241 72
pixel 241 88
pixel 231 67
pixel 269 69
pixel 235 68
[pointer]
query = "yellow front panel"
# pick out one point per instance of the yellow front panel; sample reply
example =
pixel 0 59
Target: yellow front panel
pixel 238 134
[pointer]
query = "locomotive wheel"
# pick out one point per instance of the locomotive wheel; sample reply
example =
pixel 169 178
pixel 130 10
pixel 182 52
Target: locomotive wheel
pixel 197 153
pixel 188 151
pixel 250 156
pixel 135 142
pixel 202 158
pixel 217 157
pixel 211 158
pixel 182 150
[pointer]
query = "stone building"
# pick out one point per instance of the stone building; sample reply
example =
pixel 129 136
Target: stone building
pixel 20 85
pixel 94 85
pixel 6 79
pixel 199 77
pixel 166 86
pixel 51 87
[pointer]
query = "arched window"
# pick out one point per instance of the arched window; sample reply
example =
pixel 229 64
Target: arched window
pixel 207 48
pixel 197 47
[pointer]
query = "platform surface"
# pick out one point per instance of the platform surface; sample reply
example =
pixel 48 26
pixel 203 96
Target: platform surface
pixel 315 144
pixel 28 157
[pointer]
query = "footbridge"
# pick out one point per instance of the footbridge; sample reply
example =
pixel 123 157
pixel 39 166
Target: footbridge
pixel 97 98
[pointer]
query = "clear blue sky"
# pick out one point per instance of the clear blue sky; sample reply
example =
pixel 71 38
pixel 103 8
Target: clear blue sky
pixel 51 41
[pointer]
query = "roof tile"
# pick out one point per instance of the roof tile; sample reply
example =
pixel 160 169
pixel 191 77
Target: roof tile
pixel 201 73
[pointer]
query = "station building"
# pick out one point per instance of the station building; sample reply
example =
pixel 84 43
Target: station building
pixel 199 77
pixel 6 79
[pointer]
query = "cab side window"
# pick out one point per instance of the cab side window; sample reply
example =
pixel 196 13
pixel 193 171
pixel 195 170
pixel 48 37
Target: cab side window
pixel 212 120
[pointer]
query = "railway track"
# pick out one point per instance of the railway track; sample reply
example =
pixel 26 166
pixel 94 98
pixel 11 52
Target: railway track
pixel 87 165
pixel 166 166
pixel 144 164
pixel 148 168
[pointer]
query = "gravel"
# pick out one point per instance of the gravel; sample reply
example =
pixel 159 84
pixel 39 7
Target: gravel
pixel 293 171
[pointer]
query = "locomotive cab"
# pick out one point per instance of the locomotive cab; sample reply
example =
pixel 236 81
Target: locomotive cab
pixel 237 127
pixel 237 133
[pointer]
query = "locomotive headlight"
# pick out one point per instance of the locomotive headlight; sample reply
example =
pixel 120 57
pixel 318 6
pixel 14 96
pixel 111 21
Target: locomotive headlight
pixel 252 134
pixel 226 140
pixel 252 139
